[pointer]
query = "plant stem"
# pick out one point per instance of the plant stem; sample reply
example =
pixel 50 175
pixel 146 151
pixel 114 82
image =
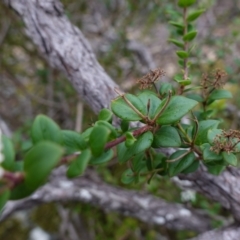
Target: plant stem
pixel 121 139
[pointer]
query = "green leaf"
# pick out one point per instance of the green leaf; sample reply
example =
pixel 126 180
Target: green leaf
pixel 130 139
pixel 203 128
pixel 176 24
pixel 104 157
pixel 124 111
pixel 44 128
pixel 165 88
pixel 192 168
pixel 195 97
pixel 8 153
pixel 143 143
pixel 86 134
pixel 113 131
pixel 98 139
pixel 190 36
pixel 186 3
pixel 73 141
pixel 39 162
pixel 124 125
pixel 105 115
pixel 148 97
pixel 178 166
pixel 138 162
pixel 182 54
pixel 4 198
pixel 212 134
pixel 176 109
pixel 166 136
pixel 21 191
pixel 194 15
pixel 209 155
pixel 176 42
pixel 128 176
pixel 215 169
pixel 78 166
pixel 219 94
pixel 230 159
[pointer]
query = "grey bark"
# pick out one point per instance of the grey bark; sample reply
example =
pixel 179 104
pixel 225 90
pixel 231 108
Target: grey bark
pixel 91 189
pixel 66 49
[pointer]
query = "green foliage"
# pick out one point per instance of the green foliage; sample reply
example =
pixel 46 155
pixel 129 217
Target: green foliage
pixel 8 153
pixel 45 128
pixel 79 165
pixel 160 111
pixel 39 162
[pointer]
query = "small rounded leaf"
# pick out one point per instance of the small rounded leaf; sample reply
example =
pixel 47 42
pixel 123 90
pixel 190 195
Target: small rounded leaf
pixel 39 162
pixel 230 158
pixel 190 36
pixel 97 140
pixel 185 3
pixel 166 136
pixel 78 166
pixel 4 196
pixel 45 128
pixel 105 115
pixel 8 153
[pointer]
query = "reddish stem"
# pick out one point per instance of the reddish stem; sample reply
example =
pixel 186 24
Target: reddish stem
pixel 121 139
pixel 13 178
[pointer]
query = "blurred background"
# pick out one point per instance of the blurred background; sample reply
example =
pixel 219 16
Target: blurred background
pixel 129 38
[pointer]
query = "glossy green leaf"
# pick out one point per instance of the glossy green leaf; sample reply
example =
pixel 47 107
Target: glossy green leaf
pixel 212 134
pixel 230 159
pixel 166 136
pixel 209 155
pixel 215 169
pixel 45 128
pixel 130 139
pixel 176 42
pixel 39 162
pixel 4 196
pixel 195 15
pixel 195 97
pixel 192 168
pixel 176 24
pixel 185 3
pixel 143 142
pixel 219 94
pixel 8 153
pixel 113 132
pixel 124 125
pixel 73 141
pixel 103 158
pixel 138 162
pixel 189 36
pixel 203 128
pixel 78 166
pixel 182 54
pixel 128 176
pixel 21 191
pixel 98 139
pixel 176 109
pixel 86 134
pixel 105 115
pixel 165 88
pixel 149 98
pixel 124 111
pixel 178 166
